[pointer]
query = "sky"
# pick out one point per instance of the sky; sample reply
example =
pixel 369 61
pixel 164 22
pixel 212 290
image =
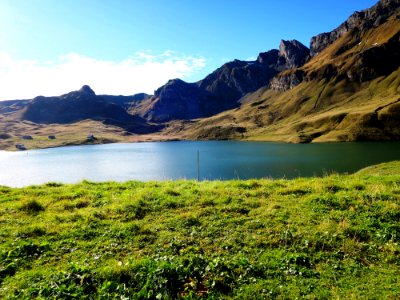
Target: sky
pixel 123 47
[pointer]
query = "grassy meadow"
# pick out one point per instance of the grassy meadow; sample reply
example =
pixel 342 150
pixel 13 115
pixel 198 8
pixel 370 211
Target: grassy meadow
pixel 314 238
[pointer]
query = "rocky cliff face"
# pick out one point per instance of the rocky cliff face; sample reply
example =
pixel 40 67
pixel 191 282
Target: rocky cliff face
pixel 286 81
pixel 175 100
pixel 294 53
pixel 364 20
pixel 235 79
pixel 223 88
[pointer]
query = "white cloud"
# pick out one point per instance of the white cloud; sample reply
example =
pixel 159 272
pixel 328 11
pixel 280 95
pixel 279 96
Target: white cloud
pixel 142 72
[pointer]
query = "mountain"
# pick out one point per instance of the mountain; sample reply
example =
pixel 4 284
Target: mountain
pixel 359 21
pixel 344 87
pixel 80 105
pixel 362 48
pixel 223 88
pixel 127 102
pixel 348 89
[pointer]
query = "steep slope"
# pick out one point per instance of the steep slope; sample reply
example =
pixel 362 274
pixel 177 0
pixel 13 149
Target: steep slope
pixel 348 91
pixel 222 89
pixel 363 21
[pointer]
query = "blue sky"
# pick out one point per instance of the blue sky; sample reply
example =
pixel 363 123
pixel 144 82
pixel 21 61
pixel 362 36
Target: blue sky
pixel 50 47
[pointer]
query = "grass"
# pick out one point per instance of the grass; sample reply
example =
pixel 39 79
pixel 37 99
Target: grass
pixel 315 238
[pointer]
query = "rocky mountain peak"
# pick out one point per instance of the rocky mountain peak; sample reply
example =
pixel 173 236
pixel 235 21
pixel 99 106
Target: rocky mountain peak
pixel 269 57
pixel 84 93
pixel 172 86
pixel 86 90
pixel 294 52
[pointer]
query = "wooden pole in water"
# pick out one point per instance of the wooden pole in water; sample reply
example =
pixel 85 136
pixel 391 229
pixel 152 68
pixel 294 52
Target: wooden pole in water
pixel 198 165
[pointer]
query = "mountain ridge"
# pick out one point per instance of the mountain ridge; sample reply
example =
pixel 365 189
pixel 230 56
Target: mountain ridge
pixel 345 87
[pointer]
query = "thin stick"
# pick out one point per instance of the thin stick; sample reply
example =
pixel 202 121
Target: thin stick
pixel 198 165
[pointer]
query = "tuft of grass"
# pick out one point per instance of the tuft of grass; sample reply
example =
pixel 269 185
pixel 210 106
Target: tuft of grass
pixel 32 207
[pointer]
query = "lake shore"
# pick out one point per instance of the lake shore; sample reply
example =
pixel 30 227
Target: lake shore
pixel 59 135
pixel 212 239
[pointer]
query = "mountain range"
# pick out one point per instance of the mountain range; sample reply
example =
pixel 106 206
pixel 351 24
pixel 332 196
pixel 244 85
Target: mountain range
pixel 343 87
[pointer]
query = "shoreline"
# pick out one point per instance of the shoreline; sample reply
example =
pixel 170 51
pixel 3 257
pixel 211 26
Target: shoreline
pixel 150 138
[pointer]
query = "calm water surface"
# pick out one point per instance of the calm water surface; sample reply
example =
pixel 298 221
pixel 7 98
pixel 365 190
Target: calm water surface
pixel 175 160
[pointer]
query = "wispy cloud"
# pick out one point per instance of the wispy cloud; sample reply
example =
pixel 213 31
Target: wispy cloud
pixel 142 72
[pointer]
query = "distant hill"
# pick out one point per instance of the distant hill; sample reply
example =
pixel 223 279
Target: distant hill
pixel 80 105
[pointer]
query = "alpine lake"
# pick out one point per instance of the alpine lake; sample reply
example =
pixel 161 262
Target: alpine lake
pixel 206 160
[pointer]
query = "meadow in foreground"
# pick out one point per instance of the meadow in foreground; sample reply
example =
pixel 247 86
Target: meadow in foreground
pixel 331 237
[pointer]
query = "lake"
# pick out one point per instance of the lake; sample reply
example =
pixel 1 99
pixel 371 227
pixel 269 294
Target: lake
pixel 177 160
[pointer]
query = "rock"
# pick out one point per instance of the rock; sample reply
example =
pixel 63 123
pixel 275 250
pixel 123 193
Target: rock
pixel 20 146
pixel 4 136
pixel 287 81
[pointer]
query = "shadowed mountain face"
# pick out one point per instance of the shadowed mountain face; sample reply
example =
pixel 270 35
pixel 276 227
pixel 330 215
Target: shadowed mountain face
pixel 80 105
pixel 126 102
pixel 72 107
pixel 222 89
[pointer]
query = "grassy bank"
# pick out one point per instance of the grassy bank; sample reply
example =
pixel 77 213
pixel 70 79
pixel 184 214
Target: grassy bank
pixel 332 237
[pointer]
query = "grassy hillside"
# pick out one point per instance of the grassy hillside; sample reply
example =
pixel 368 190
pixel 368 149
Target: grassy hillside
pixel 332 237
pixel 348 92
pixel 11 132
pixel 317 111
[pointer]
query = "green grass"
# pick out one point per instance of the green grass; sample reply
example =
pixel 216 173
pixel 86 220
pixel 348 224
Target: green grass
pixel 315 238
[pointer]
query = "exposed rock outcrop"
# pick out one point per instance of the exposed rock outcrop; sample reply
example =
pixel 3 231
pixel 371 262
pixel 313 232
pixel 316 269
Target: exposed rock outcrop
pixel 294 53
pixel 363 20
pixel 287 81
pixel 175 100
